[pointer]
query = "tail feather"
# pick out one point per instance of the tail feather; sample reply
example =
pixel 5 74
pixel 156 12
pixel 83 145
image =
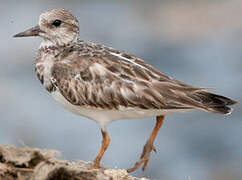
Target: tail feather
pixel 221 110
pixel 215 103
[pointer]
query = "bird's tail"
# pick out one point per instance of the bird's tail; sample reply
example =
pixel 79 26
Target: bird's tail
pixel 215 103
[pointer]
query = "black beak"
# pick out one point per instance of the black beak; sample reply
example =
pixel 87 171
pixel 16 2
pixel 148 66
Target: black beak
pixel 30 32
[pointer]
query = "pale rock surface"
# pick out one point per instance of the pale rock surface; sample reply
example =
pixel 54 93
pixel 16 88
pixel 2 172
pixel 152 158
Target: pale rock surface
pixel 35 164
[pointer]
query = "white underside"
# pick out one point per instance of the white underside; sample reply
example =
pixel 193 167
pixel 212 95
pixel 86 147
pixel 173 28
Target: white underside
pixel 102 117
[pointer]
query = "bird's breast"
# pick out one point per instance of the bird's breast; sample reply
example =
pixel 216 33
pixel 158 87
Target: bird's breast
pixel 43 68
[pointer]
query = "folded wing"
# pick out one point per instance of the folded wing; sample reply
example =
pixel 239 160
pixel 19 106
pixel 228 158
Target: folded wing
pixel 117 80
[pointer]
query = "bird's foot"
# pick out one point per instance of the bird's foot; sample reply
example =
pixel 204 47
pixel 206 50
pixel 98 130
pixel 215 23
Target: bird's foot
pixel 144 158
pixel 96 165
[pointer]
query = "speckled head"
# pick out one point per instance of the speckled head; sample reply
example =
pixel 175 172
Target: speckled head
pixel 56 27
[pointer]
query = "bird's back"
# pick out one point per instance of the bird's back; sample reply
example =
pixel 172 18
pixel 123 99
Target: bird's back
pixel 99 77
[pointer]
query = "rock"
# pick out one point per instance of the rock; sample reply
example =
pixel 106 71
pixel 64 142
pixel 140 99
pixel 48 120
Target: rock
pixel 35 164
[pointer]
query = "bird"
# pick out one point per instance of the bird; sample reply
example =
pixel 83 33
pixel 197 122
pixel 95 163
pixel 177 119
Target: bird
pixel 104 84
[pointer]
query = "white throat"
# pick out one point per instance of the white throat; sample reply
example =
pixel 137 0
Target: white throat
pixel 46 43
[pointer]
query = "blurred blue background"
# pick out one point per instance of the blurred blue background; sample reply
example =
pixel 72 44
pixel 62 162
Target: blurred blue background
pixel 195 41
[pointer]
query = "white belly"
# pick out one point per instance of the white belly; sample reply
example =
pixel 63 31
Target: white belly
pixel 102 117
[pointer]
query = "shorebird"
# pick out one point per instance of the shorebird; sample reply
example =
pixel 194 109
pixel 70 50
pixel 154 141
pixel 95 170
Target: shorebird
pixel 105 84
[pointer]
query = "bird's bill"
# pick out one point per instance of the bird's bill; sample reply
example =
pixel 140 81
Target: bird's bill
pixel 34 31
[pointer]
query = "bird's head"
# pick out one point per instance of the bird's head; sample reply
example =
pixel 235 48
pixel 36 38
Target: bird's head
pixel 56 27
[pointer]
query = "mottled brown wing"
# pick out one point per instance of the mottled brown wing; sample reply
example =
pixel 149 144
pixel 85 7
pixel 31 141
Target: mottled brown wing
pixel 115 80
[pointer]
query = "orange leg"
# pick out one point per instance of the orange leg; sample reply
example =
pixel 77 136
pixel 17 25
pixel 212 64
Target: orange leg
pixel 149 147
pixel 105 143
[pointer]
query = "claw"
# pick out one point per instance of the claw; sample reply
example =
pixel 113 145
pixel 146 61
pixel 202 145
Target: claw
pixel 96 165
pixel 144 158
pixel 155 150
pixel 149 147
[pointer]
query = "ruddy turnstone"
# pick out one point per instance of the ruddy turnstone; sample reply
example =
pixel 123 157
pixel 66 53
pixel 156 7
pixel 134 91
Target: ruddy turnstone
pixel 104 84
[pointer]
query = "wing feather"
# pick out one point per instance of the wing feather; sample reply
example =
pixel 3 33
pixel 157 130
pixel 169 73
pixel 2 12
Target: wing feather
pixel 111 81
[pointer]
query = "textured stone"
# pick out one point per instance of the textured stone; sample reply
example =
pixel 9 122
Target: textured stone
pixel 34 164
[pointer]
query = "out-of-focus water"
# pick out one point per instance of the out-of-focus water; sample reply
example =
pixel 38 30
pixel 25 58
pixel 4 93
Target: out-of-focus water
pixel 198 42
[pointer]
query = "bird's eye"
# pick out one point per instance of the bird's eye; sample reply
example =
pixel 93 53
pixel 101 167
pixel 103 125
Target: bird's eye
pixel 57 23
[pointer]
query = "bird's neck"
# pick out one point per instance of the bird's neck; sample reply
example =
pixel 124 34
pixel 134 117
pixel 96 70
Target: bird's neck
pixel 46 43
